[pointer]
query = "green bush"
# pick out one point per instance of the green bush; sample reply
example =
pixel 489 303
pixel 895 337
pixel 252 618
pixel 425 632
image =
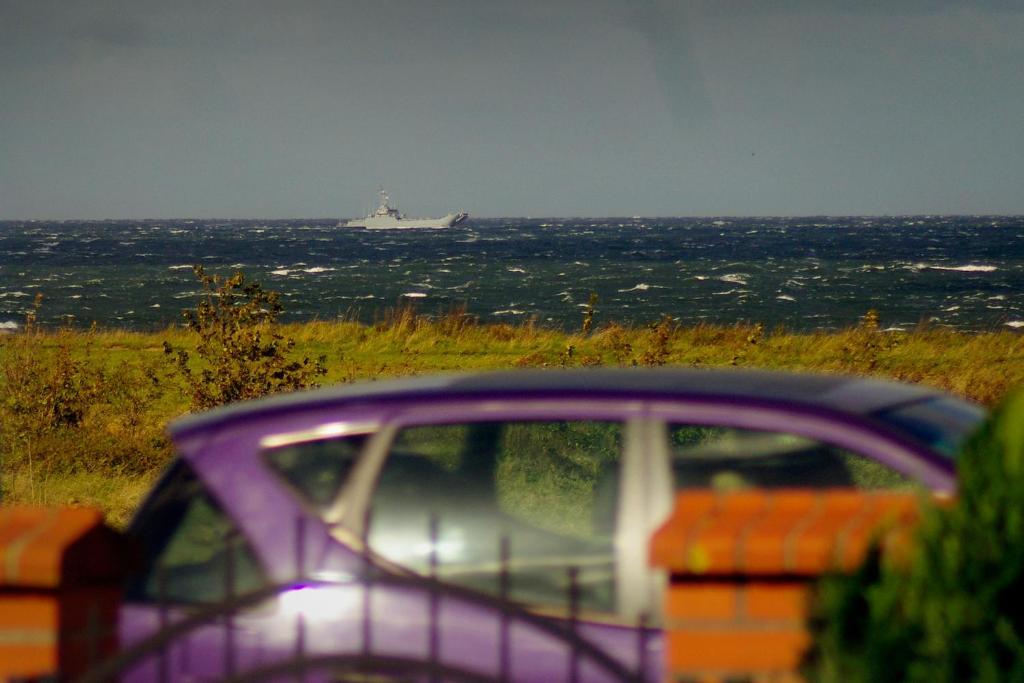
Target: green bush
pixel 64 411
pixel 955 610
pixel 242 354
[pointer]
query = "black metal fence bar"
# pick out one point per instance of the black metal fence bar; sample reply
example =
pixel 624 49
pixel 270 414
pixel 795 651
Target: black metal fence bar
pixel 230 543
pixel 300 619
pixel 163 673
pixel 504 633
pixel 435 601
pixel 508 612
pixel 574 607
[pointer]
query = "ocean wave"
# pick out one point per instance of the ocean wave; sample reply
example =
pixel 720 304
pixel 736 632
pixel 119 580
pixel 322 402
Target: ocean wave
pixel 968 268
pixel 282 271
pixel 13 295
pixel 9 326
pixel 509 311
pixel 181 267
pixel 785 297
pixel 1015 324
pixel 734 278
pixel 642 287
pixel 515 269
pixel 318 269
pixel 414 295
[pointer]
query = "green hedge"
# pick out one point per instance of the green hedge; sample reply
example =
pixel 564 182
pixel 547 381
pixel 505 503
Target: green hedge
pixel 955 612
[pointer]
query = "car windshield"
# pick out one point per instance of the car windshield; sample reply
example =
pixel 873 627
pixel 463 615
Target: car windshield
pixel 943 423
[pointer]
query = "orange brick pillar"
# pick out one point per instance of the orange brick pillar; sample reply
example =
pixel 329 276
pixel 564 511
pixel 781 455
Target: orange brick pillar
pixel 60 578
pixel 742 566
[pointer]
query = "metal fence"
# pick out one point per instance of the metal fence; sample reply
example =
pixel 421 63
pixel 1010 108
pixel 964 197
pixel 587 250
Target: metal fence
pixel 369 662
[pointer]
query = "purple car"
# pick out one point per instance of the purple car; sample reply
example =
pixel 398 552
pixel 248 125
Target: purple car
pixel 482 527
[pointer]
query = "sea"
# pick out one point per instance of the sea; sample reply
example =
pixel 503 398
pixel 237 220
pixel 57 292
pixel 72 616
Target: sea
pixel 810 273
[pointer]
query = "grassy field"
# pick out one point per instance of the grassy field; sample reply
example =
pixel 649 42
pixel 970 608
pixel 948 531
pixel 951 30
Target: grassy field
pixel 82 413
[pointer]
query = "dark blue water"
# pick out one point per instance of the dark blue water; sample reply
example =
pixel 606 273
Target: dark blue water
pixel 804 273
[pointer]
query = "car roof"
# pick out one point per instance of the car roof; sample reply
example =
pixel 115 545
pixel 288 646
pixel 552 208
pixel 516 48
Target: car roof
pixel 840 393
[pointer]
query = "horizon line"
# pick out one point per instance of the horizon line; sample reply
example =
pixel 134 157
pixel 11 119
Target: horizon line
pixel 528 217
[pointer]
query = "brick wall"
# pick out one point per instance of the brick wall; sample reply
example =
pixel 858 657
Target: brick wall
pixel 60 588
pixel 742 567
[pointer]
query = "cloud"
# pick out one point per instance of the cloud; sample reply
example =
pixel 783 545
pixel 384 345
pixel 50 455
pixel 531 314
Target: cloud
pixel 893 7
pixel 675 65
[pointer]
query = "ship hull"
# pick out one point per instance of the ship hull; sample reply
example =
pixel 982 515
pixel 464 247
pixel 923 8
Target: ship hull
pixel 391 223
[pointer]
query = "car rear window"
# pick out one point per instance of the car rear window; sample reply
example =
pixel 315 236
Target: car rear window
pixel 725 459
pixel 943 423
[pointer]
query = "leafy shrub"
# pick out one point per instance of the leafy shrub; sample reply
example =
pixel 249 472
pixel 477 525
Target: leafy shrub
pixel 661 335
pixel 615 339
pixel 589 310
pixel 63 411
pixel 242 355
pixel 955 610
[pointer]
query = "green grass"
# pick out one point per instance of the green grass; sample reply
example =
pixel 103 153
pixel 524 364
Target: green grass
pixel 111 450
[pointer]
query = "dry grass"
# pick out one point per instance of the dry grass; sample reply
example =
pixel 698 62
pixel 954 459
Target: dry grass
pixel 979 366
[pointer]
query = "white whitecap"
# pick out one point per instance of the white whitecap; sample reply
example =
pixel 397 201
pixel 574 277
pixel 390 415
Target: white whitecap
pixel 317 269
pixel 515 269
pixel 1015 324
pixel 182 267
pixel 9 325
pixel 414 295
pixel 735 278
pixel 155 306
pixel 283 271
pixel 642 287
pixel 968 268
pixel 509 311
pixel 785 297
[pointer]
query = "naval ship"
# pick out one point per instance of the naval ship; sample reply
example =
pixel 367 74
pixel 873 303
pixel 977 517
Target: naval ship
pixel 384 217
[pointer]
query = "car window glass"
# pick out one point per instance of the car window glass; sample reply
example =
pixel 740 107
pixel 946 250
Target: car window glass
pixel 724 458
pixel 316 470
pixel 189 543
pixel 943 423
pixel 548 488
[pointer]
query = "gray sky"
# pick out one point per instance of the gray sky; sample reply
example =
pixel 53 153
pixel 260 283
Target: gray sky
pixel 300 108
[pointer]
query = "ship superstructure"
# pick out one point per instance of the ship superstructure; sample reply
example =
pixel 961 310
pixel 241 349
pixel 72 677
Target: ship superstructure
pixel 386 217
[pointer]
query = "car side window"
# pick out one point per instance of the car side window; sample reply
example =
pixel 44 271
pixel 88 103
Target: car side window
pixel 549 489
pixel 725 458
pixel 189 542
pixel 316 470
